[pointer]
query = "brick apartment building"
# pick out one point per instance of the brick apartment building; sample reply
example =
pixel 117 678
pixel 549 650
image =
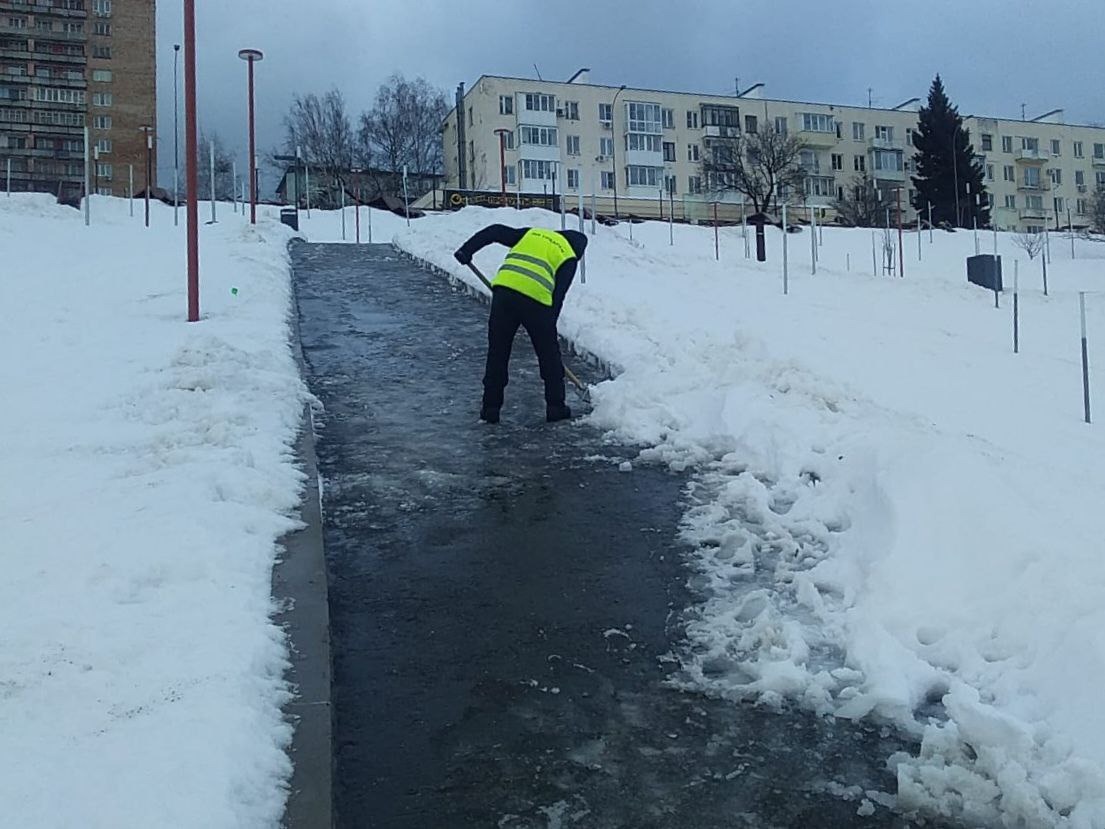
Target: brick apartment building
pixel 68 65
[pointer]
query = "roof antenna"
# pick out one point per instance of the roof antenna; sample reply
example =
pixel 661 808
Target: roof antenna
pixel 737 85
pixel 538 71
pixel 869 100
pixel 1022 111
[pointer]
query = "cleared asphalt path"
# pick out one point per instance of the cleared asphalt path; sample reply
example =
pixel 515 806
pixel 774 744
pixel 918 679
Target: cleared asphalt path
pixel 502 598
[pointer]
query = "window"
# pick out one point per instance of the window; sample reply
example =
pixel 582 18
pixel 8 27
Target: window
pixel 858 130
pixel 102 52
pixel 642 142
pixel 17 23
pixel 1100 178
pixel 1007 143
pixel 669 184
pixel 538 169
pixel 859 163
pixel 820 186
pixel 573 179
pixel 103 145
pixel 668 117
pixel 1058 204
pixel 471 150
pixel 1034 202
pixel 1032 177
pixel 606 113
pixel 539 136
pixel 607 180
pixel 508 140
pixel 640 176
pixel 987 142
pixel 884 133
pixel 573 145
pixel 669 151
pixel 750 124
pixel 780 125
pixel 1078 149
pixel 1030 144
pixel 1011 202
pixel 102 28
pixel 102 7
pixel 809 161
pixel 509 174
pixel 101 122
pixel 72 28
pixel 694 184
pixel 571 110
pixel 1056 147
pixel 1098 151
pixel 644 118
pixel 101 75
pixel 540 102
pixel 838 161
pixel 1008 173
pixel 606 147
pixel 1056 176
pixel 692 119
pixel 817 122
pixel 103 170
pixel 693 153
pixel 989 172
pixel 471 117
pixel 59 96
pixel 1081 207
pixel 506 104
pixel 888 160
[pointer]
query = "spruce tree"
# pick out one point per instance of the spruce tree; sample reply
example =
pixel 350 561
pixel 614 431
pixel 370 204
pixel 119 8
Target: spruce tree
pixel 946 165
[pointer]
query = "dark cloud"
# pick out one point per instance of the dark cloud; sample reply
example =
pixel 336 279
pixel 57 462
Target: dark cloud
pixel 994 54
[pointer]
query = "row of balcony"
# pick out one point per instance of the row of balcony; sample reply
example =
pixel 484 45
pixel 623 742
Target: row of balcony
pixel 28 7
pixel 26 53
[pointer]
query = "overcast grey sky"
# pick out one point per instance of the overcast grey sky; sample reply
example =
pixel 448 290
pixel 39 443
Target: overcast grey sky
pixel 994 55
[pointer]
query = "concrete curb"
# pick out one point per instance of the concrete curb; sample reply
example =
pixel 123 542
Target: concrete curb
pixel 606 369
pixel 300 588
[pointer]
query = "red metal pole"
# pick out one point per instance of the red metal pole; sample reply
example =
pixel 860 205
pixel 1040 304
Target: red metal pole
pixel 901 247
pixel 717 246
pixel 191 161
pixel 252 154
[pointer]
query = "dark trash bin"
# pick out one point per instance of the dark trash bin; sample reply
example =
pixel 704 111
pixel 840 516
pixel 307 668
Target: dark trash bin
pixel 289 216
pixel 984 270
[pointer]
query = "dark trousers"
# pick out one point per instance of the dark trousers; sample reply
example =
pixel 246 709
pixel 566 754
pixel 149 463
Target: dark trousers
pixel 509 310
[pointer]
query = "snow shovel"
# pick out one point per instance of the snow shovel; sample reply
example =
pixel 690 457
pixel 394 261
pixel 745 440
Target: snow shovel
pixel 575 381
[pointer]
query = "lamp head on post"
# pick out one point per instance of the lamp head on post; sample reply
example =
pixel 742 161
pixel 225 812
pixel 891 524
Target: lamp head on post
pixel 251 54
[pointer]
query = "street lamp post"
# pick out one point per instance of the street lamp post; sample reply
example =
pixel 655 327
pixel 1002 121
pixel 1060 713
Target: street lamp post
pixel 501 132
pixel 251 56
pixel 148 130
pixel 614 145
pixel 191 162
pixel 176 139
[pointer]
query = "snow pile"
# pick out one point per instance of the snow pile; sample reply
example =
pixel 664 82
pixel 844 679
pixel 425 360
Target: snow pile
pixel 893 515
pixel 149 476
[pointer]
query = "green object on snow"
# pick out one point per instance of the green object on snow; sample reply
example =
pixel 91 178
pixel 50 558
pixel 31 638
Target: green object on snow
pixel 234 291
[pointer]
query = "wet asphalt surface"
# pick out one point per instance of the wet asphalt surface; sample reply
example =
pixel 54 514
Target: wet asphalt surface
pixel 505 601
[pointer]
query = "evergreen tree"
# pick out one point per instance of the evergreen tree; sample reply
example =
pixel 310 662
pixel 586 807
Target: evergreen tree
pixel 946 165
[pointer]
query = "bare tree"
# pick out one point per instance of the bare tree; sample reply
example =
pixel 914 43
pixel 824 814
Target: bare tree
pixel 404 126
pixel 224 168
pixel 863 204
pixel 1030 243
pixel 889 250
pixel 1097 210
pixel 320 128
pixel 764 166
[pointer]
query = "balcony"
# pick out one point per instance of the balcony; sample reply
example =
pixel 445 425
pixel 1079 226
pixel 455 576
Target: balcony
pixel 1032 156
pixel 1099 161
pixel 1035 187
pixel 815 138
pixel 886 144
pixel 25 7
pixel 714 131
pixel 889 175
pixel 1034 213
pixel 50 57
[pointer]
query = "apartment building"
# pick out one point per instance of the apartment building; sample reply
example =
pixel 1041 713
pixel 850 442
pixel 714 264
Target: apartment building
pixel 646 147
pixel 70 64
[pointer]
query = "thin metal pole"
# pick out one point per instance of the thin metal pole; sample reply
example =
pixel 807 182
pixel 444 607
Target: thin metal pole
pixel 717 241
pixel 357 215
pixel 786 275
pixel 342 186
pixel 901 240
pixel 744 230
pixel 974 220
pixel 370 224
pixel 9 178
pixel 1016 308
pixel 1070 231
pixel 813 243
pixel 130 188
pixel 176 139
pixel 918 235
pixel 563 204
pixel 1043 263
pixel 87 174
pixel 253 151
pixel 848 262
pixel 594 207
pixel 671 218
pixel 307 185
pixel 1085 356
pixel 211 157
pixel 234 184
pixel 1047 242
pixel 874 257
pixel 406 203
pixel 149 154
pixel 191 163
pixel 930 223
pixel 582 261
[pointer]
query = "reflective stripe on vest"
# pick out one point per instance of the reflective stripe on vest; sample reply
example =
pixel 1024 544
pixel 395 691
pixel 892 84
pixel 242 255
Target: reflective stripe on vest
pixel 531 265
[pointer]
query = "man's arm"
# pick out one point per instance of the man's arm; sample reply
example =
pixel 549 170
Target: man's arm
pixel 490 235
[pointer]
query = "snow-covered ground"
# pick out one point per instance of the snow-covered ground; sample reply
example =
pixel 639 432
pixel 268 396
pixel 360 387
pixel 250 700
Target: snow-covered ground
pixel 891 515
pixel 894 515
pixel 148 475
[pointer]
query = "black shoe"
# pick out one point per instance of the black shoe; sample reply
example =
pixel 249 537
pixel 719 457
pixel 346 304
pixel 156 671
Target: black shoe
pixel 557 411
pixel 489 415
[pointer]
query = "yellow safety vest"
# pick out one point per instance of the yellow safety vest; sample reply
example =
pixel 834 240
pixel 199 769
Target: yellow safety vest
pixel 531 265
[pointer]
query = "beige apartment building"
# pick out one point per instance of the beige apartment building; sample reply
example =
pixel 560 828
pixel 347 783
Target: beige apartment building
pixel 646 147
pixel 70 64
